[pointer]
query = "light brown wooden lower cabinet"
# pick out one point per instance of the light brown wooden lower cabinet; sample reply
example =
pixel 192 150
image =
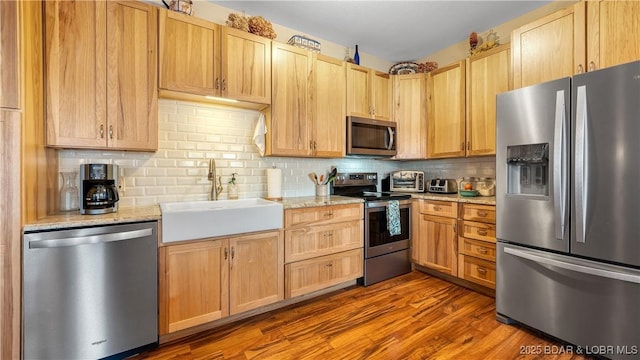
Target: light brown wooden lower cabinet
pixel 479 271
pixel 310 275
pixel 436 246
pixel 208 280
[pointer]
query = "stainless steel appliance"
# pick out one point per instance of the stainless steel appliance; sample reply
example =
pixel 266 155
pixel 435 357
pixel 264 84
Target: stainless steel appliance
pixel 90 293
pixel 370 137
pixel 443 186
pixel 407 181
pixel 98 188
pixel 385 255
pixel 568 259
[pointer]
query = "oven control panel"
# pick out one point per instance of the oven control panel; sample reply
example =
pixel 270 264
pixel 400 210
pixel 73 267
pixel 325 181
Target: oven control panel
pixel 356 179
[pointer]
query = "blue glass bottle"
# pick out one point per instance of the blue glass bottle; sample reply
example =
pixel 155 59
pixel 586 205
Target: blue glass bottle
pixel 356 56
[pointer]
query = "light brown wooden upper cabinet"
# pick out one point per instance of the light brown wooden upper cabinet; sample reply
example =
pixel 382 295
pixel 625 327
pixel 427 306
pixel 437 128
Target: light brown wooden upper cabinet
pixel 101 75
pixel 308 104
pixel 199 57
pixel 410 114
pixel 446 111
pixel 9 55
pixel 613 29
pixel 549 48
pixel 369 93
pixel 487 76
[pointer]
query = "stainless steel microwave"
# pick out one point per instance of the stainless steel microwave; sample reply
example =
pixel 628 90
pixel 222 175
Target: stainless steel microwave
pixel 370 137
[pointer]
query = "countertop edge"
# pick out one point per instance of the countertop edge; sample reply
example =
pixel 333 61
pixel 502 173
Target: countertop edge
pixel 74 219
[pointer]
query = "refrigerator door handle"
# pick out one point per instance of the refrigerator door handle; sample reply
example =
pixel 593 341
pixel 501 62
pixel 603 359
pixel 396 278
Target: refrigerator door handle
pixel 560 166
pixel 594 270
pixel 581 164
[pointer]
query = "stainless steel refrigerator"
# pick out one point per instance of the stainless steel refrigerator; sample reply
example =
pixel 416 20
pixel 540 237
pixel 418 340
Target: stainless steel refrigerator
pixel 568 210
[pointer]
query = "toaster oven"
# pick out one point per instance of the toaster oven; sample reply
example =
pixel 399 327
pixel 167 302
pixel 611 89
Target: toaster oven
pixel 407 181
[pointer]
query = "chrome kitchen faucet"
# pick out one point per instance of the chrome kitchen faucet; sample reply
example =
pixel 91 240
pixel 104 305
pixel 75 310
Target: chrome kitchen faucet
pixel 216 186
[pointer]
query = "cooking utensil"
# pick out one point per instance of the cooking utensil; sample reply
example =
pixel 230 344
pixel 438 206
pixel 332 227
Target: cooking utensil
pixel 331 176
pixel 313 177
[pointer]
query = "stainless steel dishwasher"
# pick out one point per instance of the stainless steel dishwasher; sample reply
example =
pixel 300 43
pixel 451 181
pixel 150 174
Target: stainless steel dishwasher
pixel 90 292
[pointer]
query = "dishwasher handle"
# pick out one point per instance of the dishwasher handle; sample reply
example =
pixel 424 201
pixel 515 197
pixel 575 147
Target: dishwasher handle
pixel 91 239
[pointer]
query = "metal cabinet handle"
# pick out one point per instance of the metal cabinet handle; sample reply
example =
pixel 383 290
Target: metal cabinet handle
pixel 437 208
pixel 224 84
pixel 111 132
pixel 580 69
pixel 455 228
pixel 233 252
pixel 468 145
pixel 482 213
pixel 101 131
pixel 217 86
pixel 481 270
pixel 226 253
pixel 482 232
pixel 329 265
pixel 328 214
pixel 462 146
pixel 592 66
pixel 482 250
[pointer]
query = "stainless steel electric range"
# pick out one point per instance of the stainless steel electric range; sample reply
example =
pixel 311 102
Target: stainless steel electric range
pixel 385 255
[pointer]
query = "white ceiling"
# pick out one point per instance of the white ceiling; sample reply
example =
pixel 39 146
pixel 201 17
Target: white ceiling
pixel 391 30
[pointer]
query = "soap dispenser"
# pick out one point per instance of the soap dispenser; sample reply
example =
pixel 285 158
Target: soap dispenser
pixel 233 187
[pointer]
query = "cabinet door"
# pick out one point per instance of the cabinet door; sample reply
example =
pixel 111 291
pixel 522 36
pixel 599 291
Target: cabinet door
pixel 10 232
pixel 189 54
pixel 9 55
pixel 437 246
pixel 289 130
pixel 549 48
pixel 246 66
pixel 359 89
pixel 410 104
pixel 132 92
pixel 257 271
pixel 487 76
pixel 613 29
pixel 75 68
pixel 446 111
pixel 381 95
pixel 197 286
pixel 328 107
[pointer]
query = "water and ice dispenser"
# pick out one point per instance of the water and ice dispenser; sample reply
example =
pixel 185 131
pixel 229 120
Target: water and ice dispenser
pixel 528 169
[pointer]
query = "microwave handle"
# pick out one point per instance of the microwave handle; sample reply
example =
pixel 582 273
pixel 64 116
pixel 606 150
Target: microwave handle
pixel 391 138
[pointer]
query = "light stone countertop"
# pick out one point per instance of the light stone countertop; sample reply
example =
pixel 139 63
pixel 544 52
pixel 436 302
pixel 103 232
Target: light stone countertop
pixel 311 201
pixel 152 213
pixel 73 219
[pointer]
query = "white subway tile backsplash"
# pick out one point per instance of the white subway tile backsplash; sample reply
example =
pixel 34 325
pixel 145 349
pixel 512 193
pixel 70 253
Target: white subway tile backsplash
pixel 191 134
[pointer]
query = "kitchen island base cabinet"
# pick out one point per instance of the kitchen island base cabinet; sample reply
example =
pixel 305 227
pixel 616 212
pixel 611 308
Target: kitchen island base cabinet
pixel 208 280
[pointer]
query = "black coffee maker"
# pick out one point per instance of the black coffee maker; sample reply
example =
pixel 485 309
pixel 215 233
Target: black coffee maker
pixel 98 188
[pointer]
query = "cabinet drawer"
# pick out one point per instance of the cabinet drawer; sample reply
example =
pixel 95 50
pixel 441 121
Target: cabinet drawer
pixel 480 249
pixel 322 215
pixel 479 271
pixel 312 241
pixel 307 276
pixel 482 213
pixel 439 208
pixel 479 231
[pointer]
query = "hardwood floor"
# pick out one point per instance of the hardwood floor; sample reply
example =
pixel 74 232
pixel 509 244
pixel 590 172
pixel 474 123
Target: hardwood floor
pixel 414 316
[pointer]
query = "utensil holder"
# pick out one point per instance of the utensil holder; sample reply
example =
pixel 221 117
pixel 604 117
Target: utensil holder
pixel 322 190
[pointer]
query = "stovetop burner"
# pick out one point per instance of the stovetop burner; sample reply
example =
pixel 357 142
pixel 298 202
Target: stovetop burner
pixel 363 186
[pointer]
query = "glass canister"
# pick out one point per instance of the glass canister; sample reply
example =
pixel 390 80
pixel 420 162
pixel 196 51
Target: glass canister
pixel 69 192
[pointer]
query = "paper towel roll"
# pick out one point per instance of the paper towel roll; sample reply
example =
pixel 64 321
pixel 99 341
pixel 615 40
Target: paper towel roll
pixel 274 183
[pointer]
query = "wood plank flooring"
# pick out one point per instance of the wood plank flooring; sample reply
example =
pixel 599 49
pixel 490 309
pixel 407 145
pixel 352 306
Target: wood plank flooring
pixel 415 316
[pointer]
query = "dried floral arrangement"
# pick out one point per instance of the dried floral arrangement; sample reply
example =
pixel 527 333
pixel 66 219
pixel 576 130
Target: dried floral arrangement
pixel 253 24
pixel 481 45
